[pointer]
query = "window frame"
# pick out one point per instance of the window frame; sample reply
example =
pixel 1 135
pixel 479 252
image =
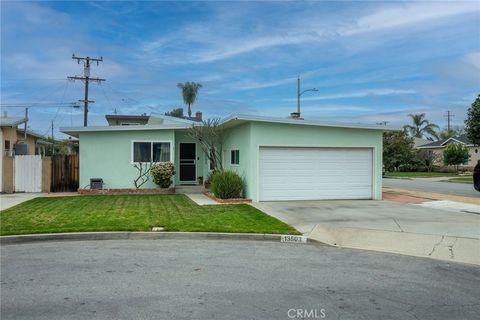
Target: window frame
pixel 132 149
pixel 232 152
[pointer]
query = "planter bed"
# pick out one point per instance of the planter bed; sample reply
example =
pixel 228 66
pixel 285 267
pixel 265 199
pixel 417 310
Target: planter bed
pixel 233 200
pixel 86 192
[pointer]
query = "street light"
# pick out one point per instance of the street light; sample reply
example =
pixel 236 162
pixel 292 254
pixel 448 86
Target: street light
pixel 299 94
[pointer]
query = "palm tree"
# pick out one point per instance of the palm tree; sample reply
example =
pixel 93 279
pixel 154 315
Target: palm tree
pixel 421 127
pixel 189 93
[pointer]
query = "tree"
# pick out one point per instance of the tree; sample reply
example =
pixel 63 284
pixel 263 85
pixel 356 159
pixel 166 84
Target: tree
pixel 445 134
pixel 210 137
pixel 143 173
pixel 427 158
pixel 397 150
pixel 189 93
pixel 455 154
pixel 177 113
pixel 472 123
pixel 421 127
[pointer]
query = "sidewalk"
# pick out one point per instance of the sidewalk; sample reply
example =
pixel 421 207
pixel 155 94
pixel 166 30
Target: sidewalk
pixel 12 199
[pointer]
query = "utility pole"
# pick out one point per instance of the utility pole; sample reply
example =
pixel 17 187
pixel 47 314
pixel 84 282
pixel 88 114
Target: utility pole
pixel 26 120
pixel 86 79
pixel 448 116
pixel 53 141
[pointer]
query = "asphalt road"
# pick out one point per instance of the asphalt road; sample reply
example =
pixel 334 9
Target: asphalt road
pixel 185 279
pixel 459 189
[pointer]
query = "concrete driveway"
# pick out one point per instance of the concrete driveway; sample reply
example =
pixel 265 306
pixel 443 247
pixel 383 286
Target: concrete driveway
pixel 184 279
pixel 447 231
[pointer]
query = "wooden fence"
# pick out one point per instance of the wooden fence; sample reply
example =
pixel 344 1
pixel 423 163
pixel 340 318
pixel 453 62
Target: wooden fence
pixel 65 173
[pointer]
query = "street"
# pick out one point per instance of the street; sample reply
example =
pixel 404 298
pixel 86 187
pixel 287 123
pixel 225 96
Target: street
pixel 186 279
pixel 460 189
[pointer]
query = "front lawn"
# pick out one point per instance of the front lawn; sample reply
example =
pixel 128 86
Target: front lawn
pixel 465 179
pixel 134 213
pixel 419 174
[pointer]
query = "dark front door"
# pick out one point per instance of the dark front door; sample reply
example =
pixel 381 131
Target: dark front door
pixel 188 162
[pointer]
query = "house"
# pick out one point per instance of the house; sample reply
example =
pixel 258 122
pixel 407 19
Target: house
pixel 439 146
pixel 279 159
pixel 13 140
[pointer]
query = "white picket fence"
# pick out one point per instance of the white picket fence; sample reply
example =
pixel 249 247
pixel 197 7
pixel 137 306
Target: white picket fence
pixel 28 173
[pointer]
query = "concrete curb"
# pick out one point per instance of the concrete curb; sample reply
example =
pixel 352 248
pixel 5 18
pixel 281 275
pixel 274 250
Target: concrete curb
pixel 446 248
pixel 89 236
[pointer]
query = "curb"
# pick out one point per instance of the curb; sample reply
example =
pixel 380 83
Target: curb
pixel 92 236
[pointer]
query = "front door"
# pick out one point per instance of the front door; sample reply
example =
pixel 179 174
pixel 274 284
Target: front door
pixel 188 162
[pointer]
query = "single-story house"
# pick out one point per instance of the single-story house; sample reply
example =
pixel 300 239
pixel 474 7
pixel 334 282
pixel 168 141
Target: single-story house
pixel 279 158
pixel 439 146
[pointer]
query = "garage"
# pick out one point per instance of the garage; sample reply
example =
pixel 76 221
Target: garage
pixel 294 173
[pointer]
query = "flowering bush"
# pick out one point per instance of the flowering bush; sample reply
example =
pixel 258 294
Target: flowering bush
pixel 162 173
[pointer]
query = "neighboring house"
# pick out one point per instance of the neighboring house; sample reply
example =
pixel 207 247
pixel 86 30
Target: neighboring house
pixel 14 141
pixel 439 146
pixel 419 142
pixel 279 159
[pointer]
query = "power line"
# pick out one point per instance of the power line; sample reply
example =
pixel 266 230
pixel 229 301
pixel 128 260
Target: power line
pixel 86 79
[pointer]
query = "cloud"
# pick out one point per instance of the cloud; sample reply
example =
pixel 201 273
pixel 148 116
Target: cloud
pixel 410 14
pixel 358 94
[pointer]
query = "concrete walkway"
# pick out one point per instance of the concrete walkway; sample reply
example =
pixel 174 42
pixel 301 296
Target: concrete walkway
pixel 201 199
pixel 10 200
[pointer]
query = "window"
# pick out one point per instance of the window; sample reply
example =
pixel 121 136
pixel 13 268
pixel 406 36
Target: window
pixel 235 157
pixel 151 151
pixel 7 144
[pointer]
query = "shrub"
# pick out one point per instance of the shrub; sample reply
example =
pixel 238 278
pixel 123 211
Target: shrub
pixel 162 173
pixel 227 185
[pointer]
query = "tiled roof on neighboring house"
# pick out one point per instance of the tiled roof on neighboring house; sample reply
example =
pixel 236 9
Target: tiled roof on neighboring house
pixel 463 139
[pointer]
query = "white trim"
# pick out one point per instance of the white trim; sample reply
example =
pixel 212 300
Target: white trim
pixel 233 118
pixel 452 138
pixel 196 166
pixel 151 149
pixel 374 160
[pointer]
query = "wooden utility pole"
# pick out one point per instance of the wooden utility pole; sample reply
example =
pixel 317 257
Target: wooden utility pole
pixel 86 79
pixel 448 116
pixel 53 141
pixel 26 121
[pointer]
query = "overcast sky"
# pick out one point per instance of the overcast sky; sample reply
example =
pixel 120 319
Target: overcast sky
pixel 372 61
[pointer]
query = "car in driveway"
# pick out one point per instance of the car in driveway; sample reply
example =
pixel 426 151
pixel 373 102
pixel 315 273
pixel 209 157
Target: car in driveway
pixel 476 177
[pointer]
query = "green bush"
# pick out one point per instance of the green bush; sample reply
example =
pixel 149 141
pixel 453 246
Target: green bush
pixel 162 173
pixel 227 185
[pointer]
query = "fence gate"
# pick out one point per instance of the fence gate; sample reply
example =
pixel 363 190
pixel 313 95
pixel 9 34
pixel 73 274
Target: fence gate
pixel 65 173
pixel 28 173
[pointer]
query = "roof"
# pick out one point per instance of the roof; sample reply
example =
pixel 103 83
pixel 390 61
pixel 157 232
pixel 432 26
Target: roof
pixel 463 139
pixel 239 118
pixel 233 120
pixel 420 142
pixel 126 117
pixel 32 133
pixel 11 121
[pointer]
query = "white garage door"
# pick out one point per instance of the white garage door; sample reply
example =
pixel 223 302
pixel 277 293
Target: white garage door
pixel 315 173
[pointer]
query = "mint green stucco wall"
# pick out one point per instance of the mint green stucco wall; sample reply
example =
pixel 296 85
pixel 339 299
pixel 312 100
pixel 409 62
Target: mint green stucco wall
pixel 108 155
pixel 249 137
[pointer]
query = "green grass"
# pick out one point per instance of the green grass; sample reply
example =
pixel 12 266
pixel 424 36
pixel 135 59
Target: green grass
pixel 467 179
pixel 419 174
pixel 134 213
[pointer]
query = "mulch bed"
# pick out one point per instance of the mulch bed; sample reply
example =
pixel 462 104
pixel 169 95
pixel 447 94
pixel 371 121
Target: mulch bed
pixel 86 192
pixel 234 200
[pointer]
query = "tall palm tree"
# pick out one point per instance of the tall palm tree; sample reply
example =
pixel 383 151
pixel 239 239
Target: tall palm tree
pixel 189 93
pixel 421 127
